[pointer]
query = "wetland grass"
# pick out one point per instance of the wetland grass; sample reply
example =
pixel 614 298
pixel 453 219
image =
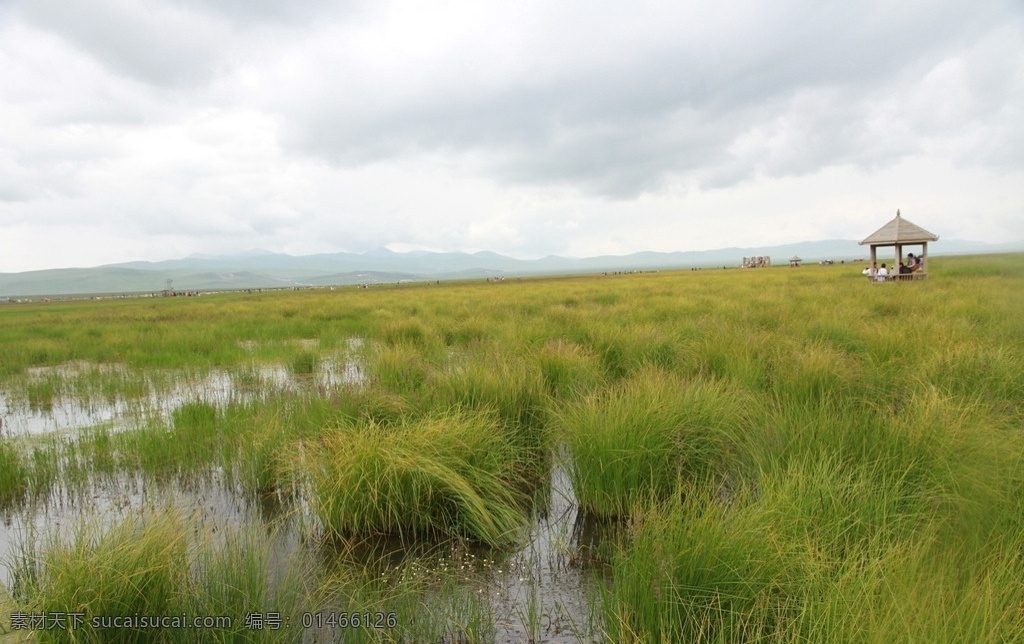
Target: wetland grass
pixel 694 570
pixel 878 455
pixel 305 363
pixel 42 392
pixel 643 438
pixel 14 476
pixel 792 456
pixel 160 572
pixel 568 370
pixel 132 568
pixel 247 572
pixel 847 538
pixel 189 442
pixel 496 381
pixel 456 474
pixel 400 369
pixel 435 598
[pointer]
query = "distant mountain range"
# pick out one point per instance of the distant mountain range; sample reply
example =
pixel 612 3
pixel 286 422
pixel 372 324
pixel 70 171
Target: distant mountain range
pixel 264 269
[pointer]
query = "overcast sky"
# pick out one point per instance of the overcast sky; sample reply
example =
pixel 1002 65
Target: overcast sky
pixel 156 129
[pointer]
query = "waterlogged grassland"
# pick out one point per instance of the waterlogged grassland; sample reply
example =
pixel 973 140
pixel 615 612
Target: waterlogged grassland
pixel 775 454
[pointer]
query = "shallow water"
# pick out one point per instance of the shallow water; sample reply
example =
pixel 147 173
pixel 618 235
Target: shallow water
pixel 545 589
pixel 551 576
pixel 66 412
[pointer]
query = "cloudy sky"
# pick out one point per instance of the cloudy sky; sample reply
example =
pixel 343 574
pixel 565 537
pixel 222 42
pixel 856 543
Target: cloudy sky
pixel 156 129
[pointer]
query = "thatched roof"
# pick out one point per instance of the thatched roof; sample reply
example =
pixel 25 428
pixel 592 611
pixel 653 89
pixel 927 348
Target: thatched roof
pixel 899 231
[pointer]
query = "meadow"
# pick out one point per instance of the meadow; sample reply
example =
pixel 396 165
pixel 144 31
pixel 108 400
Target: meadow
pixel 756 455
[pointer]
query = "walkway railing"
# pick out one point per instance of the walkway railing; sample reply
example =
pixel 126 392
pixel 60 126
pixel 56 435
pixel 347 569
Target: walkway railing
pixel 898 277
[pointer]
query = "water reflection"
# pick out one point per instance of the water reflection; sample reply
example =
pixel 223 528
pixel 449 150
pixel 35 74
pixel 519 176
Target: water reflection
pixel 49 402
pixel 543 590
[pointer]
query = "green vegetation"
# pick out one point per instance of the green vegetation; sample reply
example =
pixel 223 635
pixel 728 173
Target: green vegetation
pixel 13 474
pixel 778 455
pixel 163 567
pixel 644 437
pixel 161 572
pixel 453 474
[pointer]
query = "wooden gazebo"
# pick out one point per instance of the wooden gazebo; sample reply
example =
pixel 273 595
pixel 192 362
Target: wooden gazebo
pixel 900 233
pixel 794 261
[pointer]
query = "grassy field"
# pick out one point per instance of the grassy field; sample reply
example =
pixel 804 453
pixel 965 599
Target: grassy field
pixel 780 455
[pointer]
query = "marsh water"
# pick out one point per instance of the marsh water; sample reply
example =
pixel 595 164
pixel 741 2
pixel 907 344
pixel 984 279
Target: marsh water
pixel 157 394
pixel 545 589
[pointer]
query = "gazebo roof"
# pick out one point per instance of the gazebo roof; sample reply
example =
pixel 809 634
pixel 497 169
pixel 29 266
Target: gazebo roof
pixel 899 231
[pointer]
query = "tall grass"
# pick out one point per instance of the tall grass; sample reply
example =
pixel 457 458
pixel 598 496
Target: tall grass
pixel 925 588
pixel 433 598
pixel 305 363
pixel 189 443
pixel 399 369
pixel 695 570
pixel 791 455
pixel 246 574
pixel 164 567
pixel 450 474
pixel 496 381
pixel 568 369
pixel 14 476
pixel 700 571
pixel 642 439
pixel 130 569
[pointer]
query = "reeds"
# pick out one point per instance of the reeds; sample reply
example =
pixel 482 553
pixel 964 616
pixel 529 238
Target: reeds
pixel 305 363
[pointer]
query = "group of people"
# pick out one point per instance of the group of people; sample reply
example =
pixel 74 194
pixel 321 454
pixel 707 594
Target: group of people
pixel 881 273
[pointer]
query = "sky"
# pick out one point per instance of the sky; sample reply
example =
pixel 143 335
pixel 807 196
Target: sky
pixel 158 129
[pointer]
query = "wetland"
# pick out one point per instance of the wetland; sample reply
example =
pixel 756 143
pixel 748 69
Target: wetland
pixel 739 455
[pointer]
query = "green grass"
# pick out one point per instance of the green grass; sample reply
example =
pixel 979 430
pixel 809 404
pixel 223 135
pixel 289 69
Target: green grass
pixel 14 475
pixel 694 570
pixel 451 474
pixel 790 455
pixel 162 566
pixel 132 568
pixel 643 438
pixel 568 369
pixel 306 363
pixel 432 598
pixel 495 381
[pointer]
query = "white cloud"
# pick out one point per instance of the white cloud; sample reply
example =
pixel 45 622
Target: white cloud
pixel 151 41
pixel 154 129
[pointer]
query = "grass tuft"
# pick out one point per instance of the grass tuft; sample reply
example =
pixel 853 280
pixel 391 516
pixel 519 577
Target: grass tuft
pixel 641 439
pixel 450 474
pixel 14 475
